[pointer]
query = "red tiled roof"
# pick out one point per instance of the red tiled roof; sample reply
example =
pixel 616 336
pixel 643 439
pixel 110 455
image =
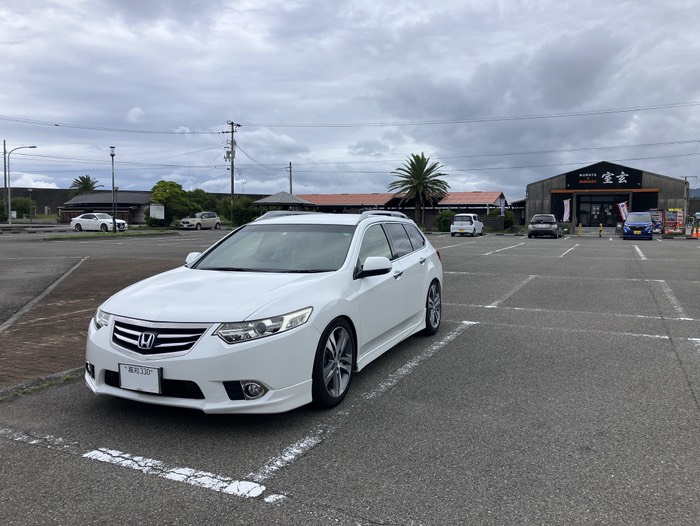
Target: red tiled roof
pixel 472 198
pixel 347 199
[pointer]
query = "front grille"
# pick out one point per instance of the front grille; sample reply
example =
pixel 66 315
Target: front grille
pixel 172 388
pixel 156 338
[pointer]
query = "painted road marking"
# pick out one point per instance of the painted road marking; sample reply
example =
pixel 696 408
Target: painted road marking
pixel 641 254
pixel 565 253
pixel 502 249
pixel 511 292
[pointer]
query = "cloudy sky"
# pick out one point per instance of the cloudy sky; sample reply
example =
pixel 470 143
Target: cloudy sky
pixel 500 92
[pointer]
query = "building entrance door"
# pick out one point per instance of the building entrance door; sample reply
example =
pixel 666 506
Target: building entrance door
pixel 596 209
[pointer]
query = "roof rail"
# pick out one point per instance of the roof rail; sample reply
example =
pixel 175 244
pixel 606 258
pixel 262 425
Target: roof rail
pixel 391 213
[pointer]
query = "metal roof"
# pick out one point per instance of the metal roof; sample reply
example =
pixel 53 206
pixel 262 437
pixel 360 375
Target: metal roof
pixel 105 197
pixel 472 198
pixel 348 199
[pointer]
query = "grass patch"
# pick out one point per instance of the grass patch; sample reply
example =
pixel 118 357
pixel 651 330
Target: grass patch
pixel 38 385
pixel 104 235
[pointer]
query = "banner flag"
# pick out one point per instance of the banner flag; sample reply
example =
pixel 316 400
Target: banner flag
pixel 622 207
pixel 567 210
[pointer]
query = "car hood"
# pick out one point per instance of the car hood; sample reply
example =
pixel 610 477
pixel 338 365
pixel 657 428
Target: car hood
pixel 210 296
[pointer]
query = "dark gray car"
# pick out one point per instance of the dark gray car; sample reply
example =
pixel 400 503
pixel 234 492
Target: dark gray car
pixel 544 225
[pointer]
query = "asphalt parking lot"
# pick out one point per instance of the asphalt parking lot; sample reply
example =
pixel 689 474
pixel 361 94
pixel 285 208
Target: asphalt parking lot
pixel 562 388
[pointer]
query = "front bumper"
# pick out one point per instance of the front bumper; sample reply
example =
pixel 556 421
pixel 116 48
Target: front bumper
pixel 205 377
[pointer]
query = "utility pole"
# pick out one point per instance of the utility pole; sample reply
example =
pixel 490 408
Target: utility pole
pixel 290 177
pixel 232 157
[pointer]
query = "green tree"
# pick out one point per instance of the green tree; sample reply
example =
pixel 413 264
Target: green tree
pixel 419 180
pixel 202 201
pixel 173 197
pixel 84 185
pixel 444 220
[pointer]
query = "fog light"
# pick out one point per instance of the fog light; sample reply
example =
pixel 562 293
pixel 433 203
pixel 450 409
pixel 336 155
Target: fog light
pixel 253 390
pixel 90 369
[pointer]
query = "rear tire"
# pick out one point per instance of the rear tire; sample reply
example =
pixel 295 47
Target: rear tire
pixel 78 228
pixel 433 309
pixel 217 226
pixel 103 227
pixel 333 364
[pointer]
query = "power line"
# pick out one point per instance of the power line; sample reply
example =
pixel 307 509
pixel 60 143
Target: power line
pixel 467 120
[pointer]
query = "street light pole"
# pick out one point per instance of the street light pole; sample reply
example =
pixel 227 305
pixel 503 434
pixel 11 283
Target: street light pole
pixel 9 184
pixel 114 203
pixel 30 204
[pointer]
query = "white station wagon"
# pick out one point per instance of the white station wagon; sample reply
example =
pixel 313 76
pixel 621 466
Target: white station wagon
pixel 280 313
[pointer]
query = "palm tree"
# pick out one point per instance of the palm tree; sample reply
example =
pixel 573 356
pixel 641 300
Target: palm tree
pixel 419 180
pixel 84 185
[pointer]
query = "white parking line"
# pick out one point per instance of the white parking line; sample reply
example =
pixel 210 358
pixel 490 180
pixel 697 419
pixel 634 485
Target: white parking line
pixel 565 253
pixel 641 255
pixel 672 298
pixel 501 249
pixel 511 292
pixel 202 479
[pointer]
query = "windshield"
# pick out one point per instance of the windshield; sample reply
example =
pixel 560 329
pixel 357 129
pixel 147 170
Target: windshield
pixel 635 217
pixel 281 248
pixel 543 218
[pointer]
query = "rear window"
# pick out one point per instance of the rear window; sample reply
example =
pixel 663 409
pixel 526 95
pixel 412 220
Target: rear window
pixel 463 219
pixel 543 218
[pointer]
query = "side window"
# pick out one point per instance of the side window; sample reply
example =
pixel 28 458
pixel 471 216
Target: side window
pixel 399 239
pixel 417 239
pixel 477 218
pixel 374 243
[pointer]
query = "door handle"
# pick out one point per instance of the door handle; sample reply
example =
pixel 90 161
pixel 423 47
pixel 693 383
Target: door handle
pixel 398 274
pixel 421 260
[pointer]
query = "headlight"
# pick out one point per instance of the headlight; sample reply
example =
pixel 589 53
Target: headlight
pixel 100 319
pixel 252 330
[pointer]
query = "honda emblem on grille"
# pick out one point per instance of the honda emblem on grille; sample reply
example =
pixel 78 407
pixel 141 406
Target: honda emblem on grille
pixel 146 340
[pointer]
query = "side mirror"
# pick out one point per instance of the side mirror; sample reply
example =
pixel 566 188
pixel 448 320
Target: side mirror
pixel 374 266
pixel 192 256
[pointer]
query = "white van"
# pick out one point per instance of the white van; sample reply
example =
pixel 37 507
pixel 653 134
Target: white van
pixel 467 224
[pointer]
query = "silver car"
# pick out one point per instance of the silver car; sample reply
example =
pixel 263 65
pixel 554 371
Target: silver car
pixel 544 225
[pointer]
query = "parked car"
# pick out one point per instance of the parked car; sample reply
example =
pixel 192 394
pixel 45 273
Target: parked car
pixel 279 313
pixel 466 224
pixel 102 222
pixel 201 220
pixel 638 225
pixel 544 225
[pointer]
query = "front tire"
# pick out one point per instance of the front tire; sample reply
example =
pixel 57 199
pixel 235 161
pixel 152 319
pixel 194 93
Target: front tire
pixel 433 309
pixel 198 226
pixel 333 364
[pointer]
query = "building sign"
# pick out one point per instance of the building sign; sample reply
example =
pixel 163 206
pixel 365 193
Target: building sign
pixel 602 176
pixel 157 211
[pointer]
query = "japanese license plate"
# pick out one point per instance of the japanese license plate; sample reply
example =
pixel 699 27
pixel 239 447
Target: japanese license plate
pixel 637 232
pixel 139 378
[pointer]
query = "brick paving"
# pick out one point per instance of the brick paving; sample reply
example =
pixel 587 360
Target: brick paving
pixel 49 338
